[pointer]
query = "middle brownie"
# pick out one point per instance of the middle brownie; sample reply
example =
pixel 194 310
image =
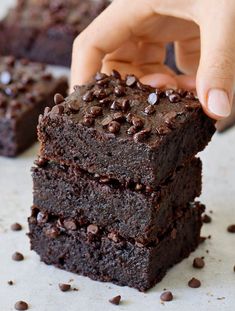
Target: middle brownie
pixel 141 214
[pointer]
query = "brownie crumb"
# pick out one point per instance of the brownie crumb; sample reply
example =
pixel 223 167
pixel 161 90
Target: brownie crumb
pixel 231 228
pixel 194 283
pixel 10 283
pixel 21 305
pixel 166 296
pixel 202 239
pixel 64 287
pixel 17 256
pixel 206 219
pixel 198 263
pixel 115 300
pixel 16 227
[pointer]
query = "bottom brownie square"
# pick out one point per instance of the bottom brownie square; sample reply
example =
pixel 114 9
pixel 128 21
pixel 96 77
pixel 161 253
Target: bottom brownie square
pixel 94 252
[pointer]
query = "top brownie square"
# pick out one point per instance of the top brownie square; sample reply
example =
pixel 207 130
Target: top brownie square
pixel 124 130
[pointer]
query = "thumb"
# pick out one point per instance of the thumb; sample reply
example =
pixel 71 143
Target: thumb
pixel 216 72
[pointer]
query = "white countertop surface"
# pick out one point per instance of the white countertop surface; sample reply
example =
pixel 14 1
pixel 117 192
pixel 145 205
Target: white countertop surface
pixel 37 283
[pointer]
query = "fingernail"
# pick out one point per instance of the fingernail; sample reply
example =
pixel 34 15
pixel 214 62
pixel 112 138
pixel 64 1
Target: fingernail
pixel 218 103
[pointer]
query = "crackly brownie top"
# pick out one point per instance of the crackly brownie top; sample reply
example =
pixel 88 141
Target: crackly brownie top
pixel 126 108
pixel 72 14
pixel 22 85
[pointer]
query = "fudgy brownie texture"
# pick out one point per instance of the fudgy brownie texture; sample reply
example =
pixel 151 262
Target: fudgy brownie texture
pixel 125 130
pixel 76 196
pixel 92 252
pixel 44 30
pixel 25 90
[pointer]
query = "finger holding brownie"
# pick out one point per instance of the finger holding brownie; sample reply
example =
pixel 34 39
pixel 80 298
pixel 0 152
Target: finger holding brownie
pixel 131 37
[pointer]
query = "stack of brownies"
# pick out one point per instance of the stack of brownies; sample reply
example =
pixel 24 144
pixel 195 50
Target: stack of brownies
pixel 115 183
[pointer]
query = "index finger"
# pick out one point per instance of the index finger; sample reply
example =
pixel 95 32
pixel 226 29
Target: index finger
pixel 104 35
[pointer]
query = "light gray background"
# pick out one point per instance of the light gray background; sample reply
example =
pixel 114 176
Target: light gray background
pixel 37 283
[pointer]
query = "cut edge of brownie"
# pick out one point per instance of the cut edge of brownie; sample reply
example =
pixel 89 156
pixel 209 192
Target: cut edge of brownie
pixel 92 253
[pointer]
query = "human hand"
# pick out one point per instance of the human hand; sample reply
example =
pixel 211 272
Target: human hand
pixel 130 36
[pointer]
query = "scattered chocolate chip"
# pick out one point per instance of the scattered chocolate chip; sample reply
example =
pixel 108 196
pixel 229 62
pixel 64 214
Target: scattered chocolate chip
pixel 194 283
pixel 74 105
pixel 182 92
pixel 93 229
pixel 174 98
pixel 206 218
pixel 100 76
pixel 106 121
pixel 149 110
pixel 198 263
pixel 153 99
pixel 131 80
pixel 132 130
pixel 96 111
pixel 137 122
pixel 115 300
pixel 103 82
pixel 10 283
pixel 190 95
pixel 88 96
pixel 168 92
pixel 166 296
pixel 16 227
pixel 70 224
pixel 116 105
pixel 105 101
pixel 100 94
pixel 142 135
pixel 129 117
pixel 116 74
pixel 119 117
pixel 41 162
pixel 125 105
pixel 17 256
pixel 58 98
pixel 5 77
pixel 52 232
pixel 64 287
pixel 88 120
pixel 231 228
pixel 119 91
pixel 21 305
pixel 209 237
pixel 114 127
pixel 57 110
pixel 42 218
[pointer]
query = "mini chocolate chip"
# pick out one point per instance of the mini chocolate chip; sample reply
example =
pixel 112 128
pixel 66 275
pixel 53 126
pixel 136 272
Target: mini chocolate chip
pixel 17 256
pixel 93 229
pixel 198 263
pixel 168 92
pixel 137 122
pixel 100 94
pixel 125 104
pixel 116 105
pixel 10 283
pixel 166 296
pixel 42 218
pixel 96 111
pixel 142 135
pixel 129 117
pixel 70 224
pixel 118 116
pixel 103 82
pixel 114 127
pixel 190 95
pixel 52 232
pixel 88 96
pixel 16 227
pixel 206 219
pixel 5 77
pixel 194 283
pixel 149 110
pixel 64 287
pixel 115 300
pixel 88 120
pixel 41 162
pixel 21 305
pixel 57 110
pixel 106 121
pixel 153 99
pixel 100 76
pixel 119 91
pixel 105 101
pixel 74 105
pixel 182 92
pixel 174 98
pixel 231 228
pixel 116 74
pixel 132 130
pixel 58 98
pixel 131 80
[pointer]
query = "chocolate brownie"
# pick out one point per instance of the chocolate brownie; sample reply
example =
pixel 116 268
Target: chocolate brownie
pixel 139 214
pixel 44 30
pixel 25 90
pixel 125 130
pixel 91 251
